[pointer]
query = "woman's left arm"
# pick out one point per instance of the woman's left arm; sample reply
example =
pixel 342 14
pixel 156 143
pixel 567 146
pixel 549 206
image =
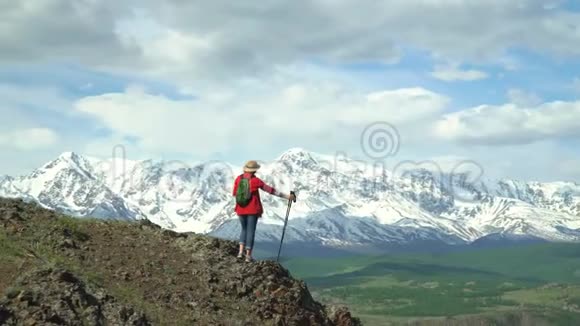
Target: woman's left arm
pixel 271 190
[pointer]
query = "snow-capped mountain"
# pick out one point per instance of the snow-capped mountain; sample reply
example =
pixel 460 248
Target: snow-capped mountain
pixel 341 202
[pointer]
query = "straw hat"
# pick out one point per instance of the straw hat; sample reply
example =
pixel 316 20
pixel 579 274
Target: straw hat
pixel 251 166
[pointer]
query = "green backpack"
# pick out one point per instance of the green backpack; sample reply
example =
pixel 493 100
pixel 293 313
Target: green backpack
pixel 243 193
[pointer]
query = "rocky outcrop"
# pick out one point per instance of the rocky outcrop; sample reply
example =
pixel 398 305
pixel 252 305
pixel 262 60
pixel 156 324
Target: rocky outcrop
pixel 95 272
pixel 57 297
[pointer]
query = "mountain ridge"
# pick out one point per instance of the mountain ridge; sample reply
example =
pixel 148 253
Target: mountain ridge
pixel 374 205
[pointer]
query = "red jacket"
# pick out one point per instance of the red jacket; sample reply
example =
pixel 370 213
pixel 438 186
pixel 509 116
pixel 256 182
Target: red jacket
pixel 254 207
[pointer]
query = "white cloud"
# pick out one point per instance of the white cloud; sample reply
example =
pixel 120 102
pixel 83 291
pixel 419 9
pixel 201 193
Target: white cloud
pixel 113 146
pixel 236 58
pixel 454 73
pixel 38 125
pixel 538 161
pixel 268 114
pixel 510 124
pixel 522 98
pixel 85 32
pixel 286 111
pixel 26 109
pixel 228 44
pixel 208 40
pixel 29 139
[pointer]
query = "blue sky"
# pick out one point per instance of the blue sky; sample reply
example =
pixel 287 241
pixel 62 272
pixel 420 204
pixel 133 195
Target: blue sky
pixel 492 81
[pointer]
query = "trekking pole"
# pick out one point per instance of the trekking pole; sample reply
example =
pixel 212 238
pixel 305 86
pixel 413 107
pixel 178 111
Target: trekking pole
pixel 285 223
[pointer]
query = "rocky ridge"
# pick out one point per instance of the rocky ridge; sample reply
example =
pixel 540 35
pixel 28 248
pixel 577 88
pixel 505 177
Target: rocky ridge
pixel 68 271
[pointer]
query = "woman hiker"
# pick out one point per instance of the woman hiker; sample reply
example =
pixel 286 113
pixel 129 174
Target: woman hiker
pixel 249 213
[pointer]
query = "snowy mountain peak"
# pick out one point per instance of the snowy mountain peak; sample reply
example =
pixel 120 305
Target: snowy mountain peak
pixel 68 161
pixel 340 200
pixel 295 153
pixel 68 156
pixel 298 158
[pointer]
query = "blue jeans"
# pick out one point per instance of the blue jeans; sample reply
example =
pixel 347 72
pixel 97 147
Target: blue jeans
pixel 248 233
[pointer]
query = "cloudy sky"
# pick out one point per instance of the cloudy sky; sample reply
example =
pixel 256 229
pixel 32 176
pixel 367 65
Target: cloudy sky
pixel 492 81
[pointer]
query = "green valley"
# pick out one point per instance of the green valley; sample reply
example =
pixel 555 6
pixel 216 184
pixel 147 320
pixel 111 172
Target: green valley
pixel 539 283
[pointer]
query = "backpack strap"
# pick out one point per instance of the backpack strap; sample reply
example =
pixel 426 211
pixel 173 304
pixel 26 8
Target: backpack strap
pixel 252 176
